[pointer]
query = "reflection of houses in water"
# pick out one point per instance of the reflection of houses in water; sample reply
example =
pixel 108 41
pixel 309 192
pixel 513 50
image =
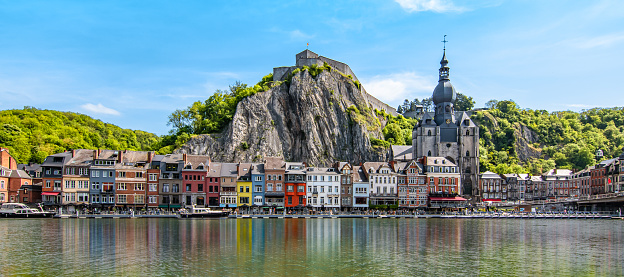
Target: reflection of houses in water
pixel 323 237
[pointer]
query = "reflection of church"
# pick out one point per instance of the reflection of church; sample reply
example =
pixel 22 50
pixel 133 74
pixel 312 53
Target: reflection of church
pixel 448 133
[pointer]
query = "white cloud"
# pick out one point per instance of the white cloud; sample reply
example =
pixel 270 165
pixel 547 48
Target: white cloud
pixel 394 88
pixel 99 109
pixel 439 6
pixel 299 35
pixel 294 35
pixel 580 106
pixel 600 41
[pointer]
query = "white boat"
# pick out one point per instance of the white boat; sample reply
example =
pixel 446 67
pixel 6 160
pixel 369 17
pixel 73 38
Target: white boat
pixel 195 212
pixel 19 210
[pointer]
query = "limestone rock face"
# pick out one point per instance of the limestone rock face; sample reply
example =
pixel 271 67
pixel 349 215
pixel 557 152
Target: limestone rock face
pixel 525 138
pixel 306 120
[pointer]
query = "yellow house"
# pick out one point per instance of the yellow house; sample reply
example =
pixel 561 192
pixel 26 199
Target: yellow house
pixel 243 185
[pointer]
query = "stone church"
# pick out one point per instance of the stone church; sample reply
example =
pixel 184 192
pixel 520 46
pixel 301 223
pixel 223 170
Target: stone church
pixel 449 133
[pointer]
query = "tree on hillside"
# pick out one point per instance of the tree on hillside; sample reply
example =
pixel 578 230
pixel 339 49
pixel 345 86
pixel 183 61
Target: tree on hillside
pixel 463 102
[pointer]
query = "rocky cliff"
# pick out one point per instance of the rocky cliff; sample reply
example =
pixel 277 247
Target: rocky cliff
pixel 317 120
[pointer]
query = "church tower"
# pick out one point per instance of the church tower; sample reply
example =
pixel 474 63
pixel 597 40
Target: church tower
pixel 447 133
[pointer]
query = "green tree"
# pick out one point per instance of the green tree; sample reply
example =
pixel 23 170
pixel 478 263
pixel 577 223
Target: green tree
pixel 463 103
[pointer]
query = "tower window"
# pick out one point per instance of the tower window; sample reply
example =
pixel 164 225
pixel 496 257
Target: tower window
pixel 429 153
pixel 467 153
pixel 467 132
pixel 429 132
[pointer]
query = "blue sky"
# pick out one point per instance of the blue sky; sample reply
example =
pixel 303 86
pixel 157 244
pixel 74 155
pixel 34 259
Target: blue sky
pixel 132 63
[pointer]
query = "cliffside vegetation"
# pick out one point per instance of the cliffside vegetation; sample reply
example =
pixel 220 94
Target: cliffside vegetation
pixel 210 116
pixel 31 134
pixel 535 141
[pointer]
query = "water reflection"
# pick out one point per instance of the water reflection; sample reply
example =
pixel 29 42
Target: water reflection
pixel 164 247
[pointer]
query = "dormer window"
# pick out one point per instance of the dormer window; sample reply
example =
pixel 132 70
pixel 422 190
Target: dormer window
pixel 188 166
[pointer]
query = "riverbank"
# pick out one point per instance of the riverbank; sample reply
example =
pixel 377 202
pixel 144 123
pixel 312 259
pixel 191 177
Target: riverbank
pixel 425 216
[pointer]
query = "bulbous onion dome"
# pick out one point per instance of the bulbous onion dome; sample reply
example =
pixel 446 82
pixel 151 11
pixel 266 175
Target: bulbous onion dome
pixel 444 92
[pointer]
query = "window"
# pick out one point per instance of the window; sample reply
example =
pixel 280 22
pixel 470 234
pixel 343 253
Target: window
pixel 200 187
pixel 121 186
pixel 153 177
pixel 188 187
pixel 300 189
pixel 269 187
pixel 153 199
pixel 122 174
pixel 139 186
pixel 83 197
pixel 278 187
pixel 122 198
pixel 258 178
pixel 138 175
pixel 246 188
pixel 165 188
pixel 153 187
pixel 241 189
pixel 110 174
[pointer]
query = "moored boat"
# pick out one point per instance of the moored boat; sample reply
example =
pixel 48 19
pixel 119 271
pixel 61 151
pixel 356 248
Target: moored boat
pixel 19 210
pixel 195 212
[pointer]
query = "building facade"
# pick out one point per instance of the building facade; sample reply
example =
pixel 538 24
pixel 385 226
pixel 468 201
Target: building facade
pixel 449 134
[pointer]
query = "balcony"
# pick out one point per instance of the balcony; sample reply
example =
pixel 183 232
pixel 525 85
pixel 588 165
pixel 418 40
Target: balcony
pixel 274 194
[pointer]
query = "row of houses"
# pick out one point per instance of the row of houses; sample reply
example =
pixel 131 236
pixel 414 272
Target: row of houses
pixel 104 179
pixel 602 178
pixel 107 179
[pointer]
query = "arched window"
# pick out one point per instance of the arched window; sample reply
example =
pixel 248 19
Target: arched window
pixel 429 153
pixel 429 132
pixel 467 153
pixel 467 132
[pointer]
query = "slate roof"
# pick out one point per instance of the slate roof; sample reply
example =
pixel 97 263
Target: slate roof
pixel 401 152
pixel 228 170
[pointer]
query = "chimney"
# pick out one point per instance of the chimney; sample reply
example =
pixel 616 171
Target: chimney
pixel 73 152
pixel 120 157
pixel 99 152
pixel 150 156
pixel 96 154
pixel 184 158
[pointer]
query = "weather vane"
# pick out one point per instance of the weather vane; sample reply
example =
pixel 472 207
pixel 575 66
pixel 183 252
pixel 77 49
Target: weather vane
pixel 445 41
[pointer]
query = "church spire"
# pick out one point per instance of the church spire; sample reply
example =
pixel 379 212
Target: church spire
pixel 444 69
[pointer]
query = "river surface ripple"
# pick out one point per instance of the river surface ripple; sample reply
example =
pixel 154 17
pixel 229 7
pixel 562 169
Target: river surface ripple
pixel 311 247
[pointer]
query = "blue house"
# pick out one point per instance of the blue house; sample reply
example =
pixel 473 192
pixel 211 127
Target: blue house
pixel 257 183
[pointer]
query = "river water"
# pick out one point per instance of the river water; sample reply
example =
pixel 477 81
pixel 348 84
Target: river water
pixel 311 247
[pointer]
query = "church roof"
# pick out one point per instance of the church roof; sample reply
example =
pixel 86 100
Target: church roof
pixel 463 116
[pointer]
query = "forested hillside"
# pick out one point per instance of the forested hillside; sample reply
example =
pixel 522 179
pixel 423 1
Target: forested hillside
pixel 32 134
pixel 525 140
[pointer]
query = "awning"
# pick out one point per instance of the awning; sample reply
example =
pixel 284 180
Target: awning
pixel 50 193
pixel 456 198
pixel 491 200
